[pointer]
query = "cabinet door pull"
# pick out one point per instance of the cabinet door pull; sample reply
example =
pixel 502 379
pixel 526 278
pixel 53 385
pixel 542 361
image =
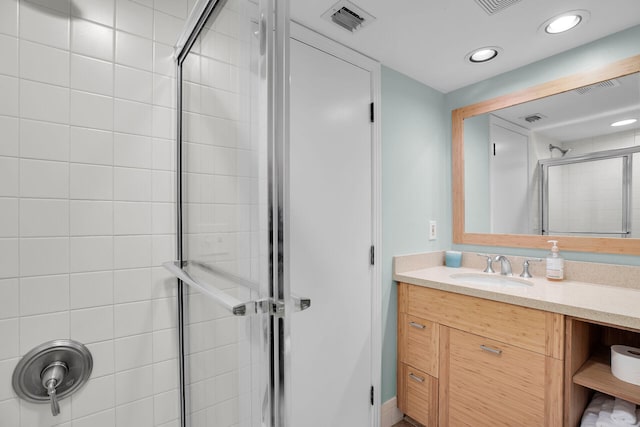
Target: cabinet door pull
pixel 416 325
pixel 416 378
pixel 491 350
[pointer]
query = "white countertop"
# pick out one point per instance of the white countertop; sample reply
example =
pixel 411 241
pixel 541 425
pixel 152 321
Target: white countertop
pixel 609 304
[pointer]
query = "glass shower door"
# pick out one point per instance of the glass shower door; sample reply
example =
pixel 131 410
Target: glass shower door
pixel 232 113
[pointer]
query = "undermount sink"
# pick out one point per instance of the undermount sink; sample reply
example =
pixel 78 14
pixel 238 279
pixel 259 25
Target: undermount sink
pixel 490 279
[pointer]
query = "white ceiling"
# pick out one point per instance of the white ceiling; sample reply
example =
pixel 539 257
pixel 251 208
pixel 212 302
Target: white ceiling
pixel 428 40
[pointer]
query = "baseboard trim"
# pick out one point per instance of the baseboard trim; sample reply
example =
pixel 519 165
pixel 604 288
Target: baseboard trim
pixel 390 414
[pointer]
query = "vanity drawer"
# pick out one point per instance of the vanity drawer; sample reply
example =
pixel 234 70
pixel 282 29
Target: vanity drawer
pixel 420 392
pixel 531 329
pixel 419 344
pixel 490 383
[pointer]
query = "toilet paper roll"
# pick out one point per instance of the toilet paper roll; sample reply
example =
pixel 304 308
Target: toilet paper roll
pixel 625 363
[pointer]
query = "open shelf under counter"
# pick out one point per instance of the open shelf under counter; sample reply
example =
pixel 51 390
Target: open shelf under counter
pixel 596 375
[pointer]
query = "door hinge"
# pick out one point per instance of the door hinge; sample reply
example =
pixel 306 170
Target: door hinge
pixel 371 117
pixel 371 395
pixel 372 255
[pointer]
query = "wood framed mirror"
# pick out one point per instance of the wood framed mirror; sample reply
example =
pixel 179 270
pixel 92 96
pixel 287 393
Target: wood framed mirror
pixel 582 243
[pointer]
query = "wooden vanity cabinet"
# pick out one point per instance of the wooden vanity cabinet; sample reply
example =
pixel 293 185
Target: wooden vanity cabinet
pixel 497 364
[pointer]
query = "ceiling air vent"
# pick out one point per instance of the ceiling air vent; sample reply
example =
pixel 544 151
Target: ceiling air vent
pixel 533 117
pixel 348 16
pixel 601 85
pixel 495 6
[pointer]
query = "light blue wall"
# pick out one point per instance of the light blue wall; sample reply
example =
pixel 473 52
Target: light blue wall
pixel 416 165
pixel 416 188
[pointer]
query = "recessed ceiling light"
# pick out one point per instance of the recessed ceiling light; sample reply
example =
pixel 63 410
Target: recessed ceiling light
pixel 624 122
pixel 483 54
pixel 564 22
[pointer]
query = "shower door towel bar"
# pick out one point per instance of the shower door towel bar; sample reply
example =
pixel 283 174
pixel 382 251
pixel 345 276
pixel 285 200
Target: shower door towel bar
pixel 233 305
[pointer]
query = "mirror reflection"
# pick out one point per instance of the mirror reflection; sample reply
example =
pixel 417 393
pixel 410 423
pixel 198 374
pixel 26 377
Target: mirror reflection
pixel 556 165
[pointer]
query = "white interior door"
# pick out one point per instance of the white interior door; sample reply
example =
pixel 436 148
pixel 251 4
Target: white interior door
pixel 509 181
pixel 331 234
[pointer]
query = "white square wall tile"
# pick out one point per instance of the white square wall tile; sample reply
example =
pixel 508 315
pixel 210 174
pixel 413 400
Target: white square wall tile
pixel 132 150
pixel 9 100
pixel 9 332
pixel 44 26
pixel 132 185
pixel 133 352
pixel 166 27
pixel 91 254
pixel 6 372
pixel 44 64
pixel 103 359
pixel 164 91
pixel 44 294
pixel 132 285
pixel 41 257
pixel 166 407
pixel 164 313
pixel 34 330
pixel 43 140
pixel 39 178
pixel 9 52
pixel 132 252
pixel 10 177
pixel 134 51
pixel 91 289
pixel 9 258
pixel 133 318
pixel 163 218
pixel 96 395
pixel 163 186
pixel 91 146
pixel 9 17
pixel 91 75
pixel 91 218
pixel 91 39
pixel 92 325
pixel 163 248
pixel 91 182
pixel 163 122
pixel 44 218
pixel 9 299
pixel 132 218
pixel 91 110
pixel 134 18
pixel 164 344
pixel 165 376
pixel 100 419
pixel 133 385
pixel 139 413
pixel 133 117
pixel 41 101
pixel 10 136
pixel 134 84
pixel 100 11
pixel 163 154
pixel 9 225
pixel 163 57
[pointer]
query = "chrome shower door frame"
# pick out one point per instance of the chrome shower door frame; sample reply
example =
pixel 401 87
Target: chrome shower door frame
pixel 273 32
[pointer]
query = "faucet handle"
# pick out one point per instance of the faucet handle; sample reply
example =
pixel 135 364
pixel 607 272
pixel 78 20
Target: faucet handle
pixel 525 267
pixel 489 268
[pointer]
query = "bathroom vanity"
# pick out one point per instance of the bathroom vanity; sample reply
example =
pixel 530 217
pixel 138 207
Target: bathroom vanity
pixel 495 354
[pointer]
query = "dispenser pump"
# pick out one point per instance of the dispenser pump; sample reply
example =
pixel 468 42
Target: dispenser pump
pixel 555 263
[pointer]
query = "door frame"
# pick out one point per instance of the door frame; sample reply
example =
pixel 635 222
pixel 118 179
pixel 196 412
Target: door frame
pixel 318 41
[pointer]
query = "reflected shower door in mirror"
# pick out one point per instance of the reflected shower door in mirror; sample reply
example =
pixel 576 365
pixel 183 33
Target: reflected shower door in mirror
pixel 590 195
pixel 586 192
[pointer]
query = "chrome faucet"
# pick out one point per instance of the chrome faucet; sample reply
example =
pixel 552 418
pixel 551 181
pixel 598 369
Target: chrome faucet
pixel 505 265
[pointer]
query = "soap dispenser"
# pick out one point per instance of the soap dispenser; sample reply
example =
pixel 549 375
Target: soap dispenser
pixel 555 263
